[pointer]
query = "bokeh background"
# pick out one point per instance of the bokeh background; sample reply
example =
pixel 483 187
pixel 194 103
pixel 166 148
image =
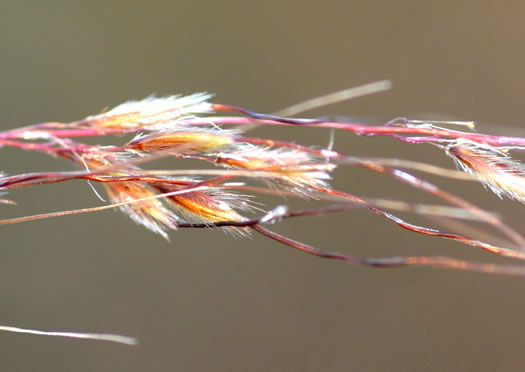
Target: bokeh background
pixel 207 301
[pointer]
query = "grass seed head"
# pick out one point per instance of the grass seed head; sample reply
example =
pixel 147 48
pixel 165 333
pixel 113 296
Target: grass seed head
pixel 152 213
pixel 294 170
pixel 151 113
pixel 492 166
pixel 183 140
pixel 213 205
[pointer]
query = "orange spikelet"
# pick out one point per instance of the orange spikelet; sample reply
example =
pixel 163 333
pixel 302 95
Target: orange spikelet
pixel 182 141
pixel 151 213
pixel 206 208
pixel 209 206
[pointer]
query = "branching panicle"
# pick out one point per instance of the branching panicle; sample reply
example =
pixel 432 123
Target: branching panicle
pixel 187 128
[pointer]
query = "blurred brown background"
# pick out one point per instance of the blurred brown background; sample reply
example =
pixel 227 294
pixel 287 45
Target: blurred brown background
pixel 207 301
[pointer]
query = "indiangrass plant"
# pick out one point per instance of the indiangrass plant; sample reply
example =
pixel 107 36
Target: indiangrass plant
pixel 237 167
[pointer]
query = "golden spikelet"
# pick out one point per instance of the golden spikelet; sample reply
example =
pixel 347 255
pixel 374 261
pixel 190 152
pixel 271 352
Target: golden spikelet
pixel 294 170
pixel 179 140
pixel 492 166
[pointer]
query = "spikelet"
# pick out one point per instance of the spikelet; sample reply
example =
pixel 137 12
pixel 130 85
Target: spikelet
pixel 209 206
pixel 95 157
pixel 295 170
pixel 151 213
pixel 180 139
pixel 151 113
pixel 492 166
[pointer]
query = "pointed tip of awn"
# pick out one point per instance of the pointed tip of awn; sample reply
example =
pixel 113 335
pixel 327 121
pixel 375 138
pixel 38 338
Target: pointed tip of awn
pixel 88 336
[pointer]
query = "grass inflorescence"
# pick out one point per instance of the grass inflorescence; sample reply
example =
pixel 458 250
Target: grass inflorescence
pixel 239 167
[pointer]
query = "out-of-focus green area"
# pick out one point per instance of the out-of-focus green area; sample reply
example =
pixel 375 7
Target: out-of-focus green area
pixel 209 302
